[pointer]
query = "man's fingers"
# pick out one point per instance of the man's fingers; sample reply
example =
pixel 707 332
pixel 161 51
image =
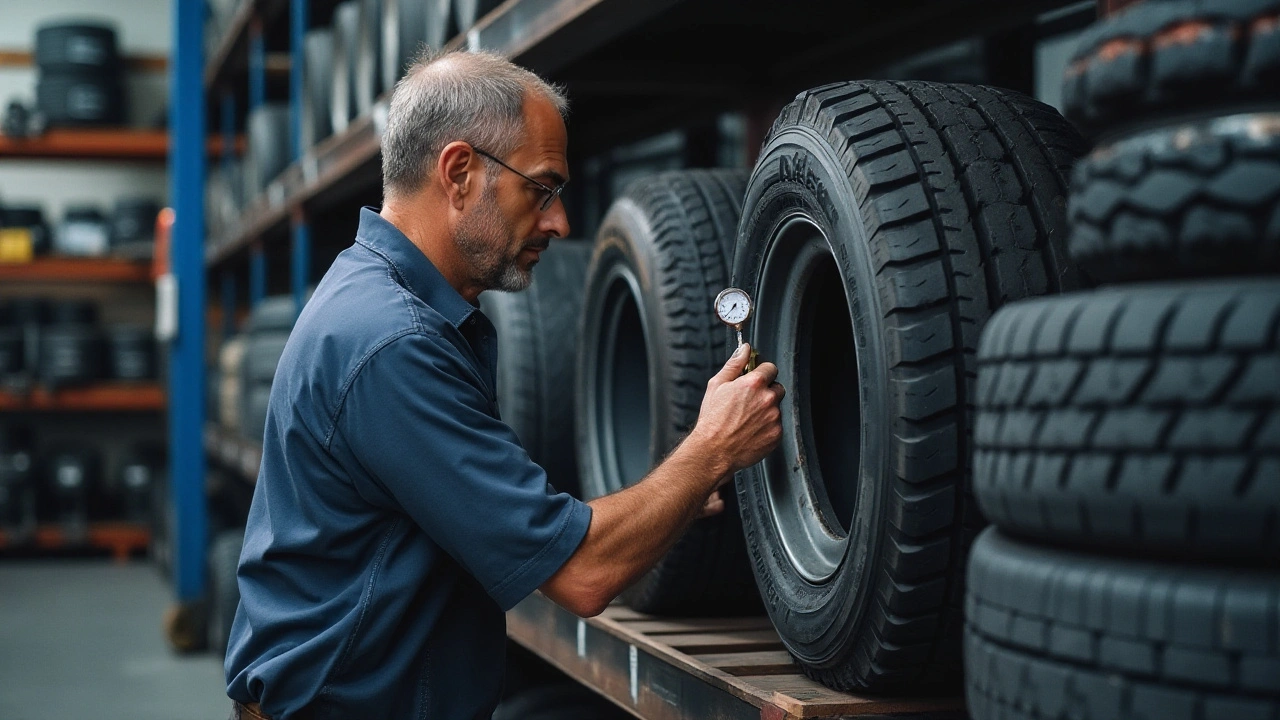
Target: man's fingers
pixel 733 367
pixel 769 371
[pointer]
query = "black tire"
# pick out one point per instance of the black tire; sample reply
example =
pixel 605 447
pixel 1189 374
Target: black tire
pixel 1053 634
pixel 368 55
pixel 440 24
pixel 262 356
pixel 537 358
pixel 317 86
pixel 269 146
pixel 1192 199
pixel 1160 59
pixel 73 98
pixel 650 341
pixel 1142 419
pixel 887 222
pixel 404 29
pixel 77 47
pixel 468 12
pixel 70 355
pixel 224 592
pixel 131 352
pixel 274 314
pixel 346 40
pixel 253 413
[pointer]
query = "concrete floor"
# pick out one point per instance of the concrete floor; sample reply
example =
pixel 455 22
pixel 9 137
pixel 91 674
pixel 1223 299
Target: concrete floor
pixel 83 639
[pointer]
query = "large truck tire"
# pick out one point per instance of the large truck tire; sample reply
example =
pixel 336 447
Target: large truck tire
pixel 1160 59
pixel 1139 419
pixel 886 222
pixel 537 358
pixel 317 86
pixel 346 40
pixel 1055 634
pixel 650 342
pixel 224 591
pixel 1192 199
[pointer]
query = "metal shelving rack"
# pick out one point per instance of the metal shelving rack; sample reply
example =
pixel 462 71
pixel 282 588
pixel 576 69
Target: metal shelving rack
pixel 633 68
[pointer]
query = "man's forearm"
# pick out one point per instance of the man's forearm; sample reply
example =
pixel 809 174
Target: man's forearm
pixel 632 529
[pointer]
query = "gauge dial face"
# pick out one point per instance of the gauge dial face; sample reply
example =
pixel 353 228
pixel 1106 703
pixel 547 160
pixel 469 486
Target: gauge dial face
pixel 733 306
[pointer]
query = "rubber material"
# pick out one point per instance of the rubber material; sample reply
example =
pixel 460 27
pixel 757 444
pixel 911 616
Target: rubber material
pixel 317 86
pixel 230 362
pixel 131 353
pixel 253 412
pixel 262 355
pixel 75 99
pixel 71 47
pixel 69 355
pixel 274 313
pixel 404 30
pixel 650 341
pixel 1192 199
pixel 1053 634
pixel 1142 419
pixel 368 55
pixel 922 207
pixel 269 154
pixel 342 99
pixel 134 220
pixel 73 312
pixel 467 12
pixel 1168 57
pixel 224 592
pixel 537 357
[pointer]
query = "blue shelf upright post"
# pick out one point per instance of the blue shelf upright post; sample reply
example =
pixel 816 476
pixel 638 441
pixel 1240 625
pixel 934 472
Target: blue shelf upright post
pixel 300 249
pixel 186 368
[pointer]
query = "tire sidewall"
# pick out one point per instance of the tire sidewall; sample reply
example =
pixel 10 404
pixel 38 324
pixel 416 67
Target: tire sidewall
pixel 624 252
pixel 798 173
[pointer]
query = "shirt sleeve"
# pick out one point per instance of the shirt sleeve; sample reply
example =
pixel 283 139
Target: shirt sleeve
pixel 419 422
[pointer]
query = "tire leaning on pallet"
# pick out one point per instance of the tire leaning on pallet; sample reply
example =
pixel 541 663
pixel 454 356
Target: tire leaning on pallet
pixel 886 222
pixel 1163 58
pixel 650 341
pixel 1145 418
pixel 1196 198
pixel 537 358
pixel 1056 634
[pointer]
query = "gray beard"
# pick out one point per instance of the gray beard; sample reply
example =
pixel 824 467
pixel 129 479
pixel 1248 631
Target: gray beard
pixel 485 241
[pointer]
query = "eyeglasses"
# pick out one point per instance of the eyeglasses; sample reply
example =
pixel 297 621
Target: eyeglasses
pixel 552 192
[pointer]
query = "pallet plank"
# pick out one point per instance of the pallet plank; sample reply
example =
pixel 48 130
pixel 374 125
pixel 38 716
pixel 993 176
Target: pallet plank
pixel 760 662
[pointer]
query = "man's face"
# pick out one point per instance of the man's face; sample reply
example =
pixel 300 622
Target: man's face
pixel 505 230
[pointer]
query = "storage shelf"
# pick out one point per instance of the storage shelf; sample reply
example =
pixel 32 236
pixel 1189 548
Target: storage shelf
pixel 74 269
pixel 233 43
pixel 98 144
pixel 659 668
pixel 121 538
pixel 105 397
pixel 233 452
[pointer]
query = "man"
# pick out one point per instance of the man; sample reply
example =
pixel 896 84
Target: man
pixel 396 517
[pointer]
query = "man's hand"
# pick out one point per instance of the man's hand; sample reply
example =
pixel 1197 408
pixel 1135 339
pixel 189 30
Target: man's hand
pixel 713 506
pixel 740 421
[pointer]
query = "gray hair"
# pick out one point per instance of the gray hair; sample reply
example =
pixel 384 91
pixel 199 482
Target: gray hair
pixel 476 97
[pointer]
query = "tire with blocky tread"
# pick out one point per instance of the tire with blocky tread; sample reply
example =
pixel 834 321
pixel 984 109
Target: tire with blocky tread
pixel 1055 634
pixel 1163 58
pixel 1191 199
pixel 951 202
pixel 1143 419
pixel 537 357
pixel 675 231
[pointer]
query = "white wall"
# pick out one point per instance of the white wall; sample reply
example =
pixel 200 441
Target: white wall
pixel 142 28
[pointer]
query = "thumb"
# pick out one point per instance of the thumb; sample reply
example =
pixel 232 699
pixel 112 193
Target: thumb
pixel 733 368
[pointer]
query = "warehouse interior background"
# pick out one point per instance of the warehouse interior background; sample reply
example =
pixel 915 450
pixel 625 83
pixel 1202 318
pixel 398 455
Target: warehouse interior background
pixel 137 353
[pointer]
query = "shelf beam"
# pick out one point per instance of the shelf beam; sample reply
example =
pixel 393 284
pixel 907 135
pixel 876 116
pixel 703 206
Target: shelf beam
pixel 72 269
pixel 107 397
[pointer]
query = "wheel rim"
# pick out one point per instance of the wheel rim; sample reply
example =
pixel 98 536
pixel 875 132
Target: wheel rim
pixel 623 397
pixel 811 481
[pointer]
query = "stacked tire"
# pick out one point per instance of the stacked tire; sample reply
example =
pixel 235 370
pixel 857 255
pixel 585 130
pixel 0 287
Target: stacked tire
pixel 80 75
pixel 649 342
pixel 885 222
pixel 1127 441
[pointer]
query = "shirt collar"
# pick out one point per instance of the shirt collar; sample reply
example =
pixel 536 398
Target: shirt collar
pixel 416 271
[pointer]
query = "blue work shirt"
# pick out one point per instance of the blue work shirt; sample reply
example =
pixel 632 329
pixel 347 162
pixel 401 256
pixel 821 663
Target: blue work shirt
pixel 395 517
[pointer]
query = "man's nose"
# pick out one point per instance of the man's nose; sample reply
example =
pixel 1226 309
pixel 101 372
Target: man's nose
pixel 555 221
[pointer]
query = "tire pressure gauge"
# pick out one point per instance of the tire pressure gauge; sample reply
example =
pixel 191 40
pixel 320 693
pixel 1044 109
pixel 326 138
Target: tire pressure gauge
pixel 733 307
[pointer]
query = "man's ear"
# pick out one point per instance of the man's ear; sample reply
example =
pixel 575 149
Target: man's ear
pixel 458 171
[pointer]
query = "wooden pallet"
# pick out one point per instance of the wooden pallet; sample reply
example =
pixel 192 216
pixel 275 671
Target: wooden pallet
pixel 668 669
